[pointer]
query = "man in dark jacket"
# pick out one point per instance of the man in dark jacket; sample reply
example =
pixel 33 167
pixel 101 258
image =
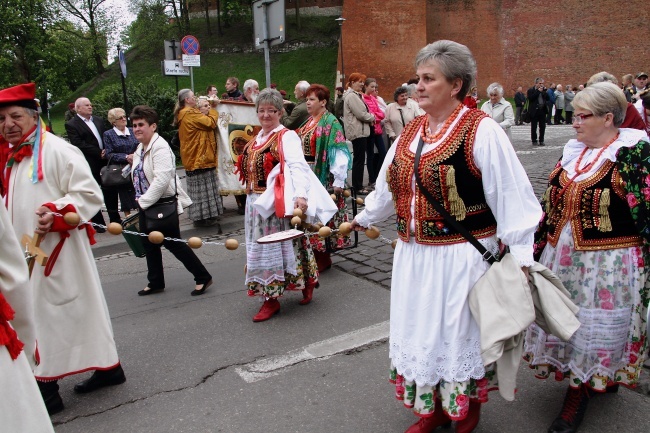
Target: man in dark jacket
pixel 537 98
pixel 520 100
pixel 86 131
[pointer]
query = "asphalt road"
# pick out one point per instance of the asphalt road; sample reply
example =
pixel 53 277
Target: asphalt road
pixel 199 364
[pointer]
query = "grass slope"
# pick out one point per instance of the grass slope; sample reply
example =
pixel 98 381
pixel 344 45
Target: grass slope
pixel 316 65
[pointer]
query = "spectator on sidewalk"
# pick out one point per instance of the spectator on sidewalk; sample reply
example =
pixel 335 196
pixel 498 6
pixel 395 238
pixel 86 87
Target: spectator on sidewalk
pixel 559 104
pixel 520 100
pixel 537 106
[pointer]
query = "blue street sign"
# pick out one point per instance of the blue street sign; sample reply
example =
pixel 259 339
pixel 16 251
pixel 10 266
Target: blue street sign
pixel 122 63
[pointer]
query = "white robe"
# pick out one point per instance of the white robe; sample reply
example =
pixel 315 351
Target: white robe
pixel 21 405
pixel 433 335
pixel 73 327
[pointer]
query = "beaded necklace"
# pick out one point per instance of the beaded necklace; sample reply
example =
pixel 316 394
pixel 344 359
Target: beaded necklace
pixel 584 169
pixel 430 138
pixel 587 167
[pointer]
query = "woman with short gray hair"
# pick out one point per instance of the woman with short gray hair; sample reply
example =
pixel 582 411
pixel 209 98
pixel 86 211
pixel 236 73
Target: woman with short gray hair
pixel 499 109
pixel 274 268
pixel 594 236
pixel 467 163
pixel 120 143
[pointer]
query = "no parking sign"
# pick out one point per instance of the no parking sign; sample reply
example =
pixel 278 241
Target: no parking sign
pixel 190 45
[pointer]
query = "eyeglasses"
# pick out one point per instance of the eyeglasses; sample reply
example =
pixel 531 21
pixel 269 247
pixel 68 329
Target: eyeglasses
pixel 122 117
pixel 271 112
pixel 580 118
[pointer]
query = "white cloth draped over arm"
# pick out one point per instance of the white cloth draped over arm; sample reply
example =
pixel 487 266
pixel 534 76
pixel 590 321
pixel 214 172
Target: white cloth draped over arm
pixel 296 165
pixel 339 169
pixel 508 191
pixel 379 203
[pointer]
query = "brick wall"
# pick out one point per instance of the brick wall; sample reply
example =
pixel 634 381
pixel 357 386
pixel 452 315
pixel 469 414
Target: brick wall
pixel 513 41
pixel 381 39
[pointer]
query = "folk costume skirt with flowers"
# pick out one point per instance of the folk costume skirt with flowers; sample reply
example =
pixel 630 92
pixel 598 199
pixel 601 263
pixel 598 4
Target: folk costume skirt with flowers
pixel 337 241
pixel 435 349
pixel 610 287
pixel 273 268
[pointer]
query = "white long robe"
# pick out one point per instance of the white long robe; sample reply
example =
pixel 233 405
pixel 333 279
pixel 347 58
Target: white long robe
pixel 433 335
pixel 73 327
pixel 21 405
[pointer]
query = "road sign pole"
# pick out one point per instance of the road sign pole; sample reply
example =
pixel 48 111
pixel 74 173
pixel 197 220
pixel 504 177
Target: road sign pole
pixel 267 45
pixel 174 55
pixel 192 78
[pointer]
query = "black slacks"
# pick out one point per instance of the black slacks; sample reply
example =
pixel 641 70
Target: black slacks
pixel 180 250
pixel 359 147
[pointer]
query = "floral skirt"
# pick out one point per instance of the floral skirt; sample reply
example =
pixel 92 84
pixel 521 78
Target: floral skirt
pixel 454 396
pixel 273 268
pixel 336 241
pixel 611 289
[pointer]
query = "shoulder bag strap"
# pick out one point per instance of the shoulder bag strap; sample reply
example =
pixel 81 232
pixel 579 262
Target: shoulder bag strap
pixel 145 175
pixel 487 256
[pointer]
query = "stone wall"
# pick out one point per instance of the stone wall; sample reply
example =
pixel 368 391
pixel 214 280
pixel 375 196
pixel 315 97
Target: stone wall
pixel 381 38
pixel 513 41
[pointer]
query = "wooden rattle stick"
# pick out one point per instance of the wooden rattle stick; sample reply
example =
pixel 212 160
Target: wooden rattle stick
pixel 32 251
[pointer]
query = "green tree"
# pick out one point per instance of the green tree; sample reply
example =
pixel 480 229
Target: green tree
pixel 95 16
pixel 145 92
pixel 23 40
pixel 149 29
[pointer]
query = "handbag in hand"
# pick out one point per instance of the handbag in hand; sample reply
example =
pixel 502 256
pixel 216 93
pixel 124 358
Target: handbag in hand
pixel 525 114
pixel 111 175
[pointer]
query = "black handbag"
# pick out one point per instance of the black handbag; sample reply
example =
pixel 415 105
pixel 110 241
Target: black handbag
pixel 525 114
pixel 111 175
pixel 162 216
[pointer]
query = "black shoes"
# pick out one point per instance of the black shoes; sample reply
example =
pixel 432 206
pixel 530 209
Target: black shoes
pixel 535 143
pixel 51 397
pixel 100 379
pixel 573 410
pixel 148 291
pixel 201 291
pixel 541 143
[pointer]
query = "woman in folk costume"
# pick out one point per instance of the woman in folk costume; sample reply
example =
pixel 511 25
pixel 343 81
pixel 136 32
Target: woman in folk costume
pixel 325 149
pixel 273 268
pixel 21 405
pixel 469 165
pixel 47 175
pixel 595 236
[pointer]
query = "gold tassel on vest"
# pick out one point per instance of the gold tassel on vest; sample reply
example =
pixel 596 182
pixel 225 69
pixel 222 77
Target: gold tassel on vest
pixel 605 222
pixel 456 204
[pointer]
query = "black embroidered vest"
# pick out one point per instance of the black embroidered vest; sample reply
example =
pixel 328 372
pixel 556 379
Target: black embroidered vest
pixel 450 174
pixel 595 207
pixel 257 163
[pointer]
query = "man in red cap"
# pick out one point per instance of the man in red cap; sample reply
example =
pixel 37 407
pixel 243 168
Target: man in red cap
pixel 45 175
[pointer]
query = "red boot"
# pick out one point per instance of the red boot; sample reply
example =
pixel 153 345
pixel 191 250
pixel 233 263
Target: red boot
pixel 323 260
pixel 429 424
pixel 308 293
pixel 269 308
pixel 470 422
